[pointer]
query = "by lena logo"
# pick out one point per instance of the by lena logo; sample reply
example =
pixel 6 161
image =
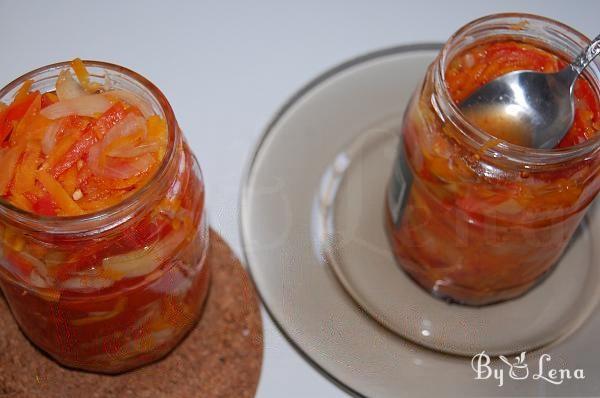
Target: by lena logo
pixel 519 370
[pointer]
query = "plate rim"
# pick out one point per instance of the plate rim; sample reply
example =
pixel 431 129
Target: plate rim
pixel 249 168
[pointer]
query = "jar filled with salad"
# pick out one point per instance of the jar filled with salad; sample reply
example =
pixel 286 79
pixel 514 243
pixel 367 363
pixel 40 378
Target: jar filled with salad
pixel 102 224
pixel 478 218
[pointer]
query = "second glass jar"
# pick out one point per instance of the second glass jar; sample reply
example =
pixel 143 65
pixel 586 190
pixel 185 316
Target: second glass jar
pixel 474 219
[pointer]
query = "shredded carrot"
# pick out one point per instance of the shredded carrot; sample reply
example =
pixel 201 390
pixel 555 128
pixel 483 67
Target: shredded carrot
pixel 59 195
pixel 69 180
pixel 157 131
pixel 21 201
pixel 14 113
pixel 25 174
pixel 49 99
pixel 9 159
pixel 62 147
pixel 21 131
pixel 23 91
pixel 81 72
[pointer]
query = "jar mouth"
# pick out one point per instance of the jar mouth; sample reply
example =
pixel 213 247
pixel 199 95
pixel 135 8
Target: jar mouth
pixel 117 214
pixel 538 30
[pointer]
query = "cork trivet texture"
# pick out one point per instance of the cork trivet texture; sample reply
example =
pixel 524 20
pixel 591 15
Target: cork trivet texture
pixel 221 357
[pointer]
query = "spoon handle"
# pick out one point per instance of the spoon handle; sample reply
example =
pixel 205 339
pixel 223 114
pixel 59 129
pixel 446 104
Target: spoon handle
pixel 586 55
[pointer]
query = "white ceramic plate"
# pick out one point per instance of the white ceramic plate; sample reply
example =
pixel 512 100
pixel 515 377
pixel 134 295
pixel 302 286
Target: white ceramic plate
pixel 291 180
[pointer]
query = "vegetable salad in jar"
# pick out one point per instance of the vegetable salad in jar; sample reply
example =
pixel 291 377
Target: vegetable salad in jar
pixel 102 222
pixel 478 218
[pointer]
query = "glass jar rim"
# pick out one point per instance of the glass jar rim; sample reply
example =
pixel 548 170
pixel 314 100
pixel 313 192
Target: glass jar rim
pixel 110 217
pixel 530 157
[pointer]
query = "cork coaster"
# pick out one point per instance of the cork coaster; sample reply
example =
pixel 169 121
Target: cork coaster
pixel 221 357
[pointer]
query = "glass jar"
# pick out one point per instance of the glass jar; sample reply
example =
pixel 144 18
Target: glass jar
pixel 478 220
pixel 116 289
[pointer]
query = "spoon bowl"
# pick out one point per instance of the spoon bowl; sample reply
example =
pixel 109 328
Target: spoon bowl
pixel 528 108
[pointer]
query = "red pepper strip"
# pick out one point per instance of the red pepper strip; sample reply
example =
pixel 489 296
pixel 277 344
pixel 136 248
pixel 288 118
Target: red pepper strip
pixel 44 205
pixel 109 119
pixel 83 176
pixel 76 152
pixel 92 133
pixel 15 112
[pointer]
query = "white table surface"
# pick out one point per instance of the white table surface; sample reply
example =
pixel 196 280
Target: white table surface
pixel 226 67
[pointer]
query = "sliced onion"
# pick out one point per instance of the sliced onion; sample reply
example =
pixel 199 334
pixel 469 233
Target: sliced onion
pixel 99 316
pixel 87 105
pixel 86 284
pixel 132 99
pixel 37 280
pixel 124 170
pixel 128 126
pixel 94 158
pixel 509 207
pixel 49 139
pixel 108 83
pixel 119 169
pixel 39 274
pixel 67 88
pixel 144 261
pixel 133 151
pixel 36 263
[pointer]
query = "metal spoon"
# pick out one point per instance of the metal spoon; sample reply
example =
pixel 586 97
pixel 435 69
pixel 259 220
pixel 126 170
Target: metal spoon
pixel 529 108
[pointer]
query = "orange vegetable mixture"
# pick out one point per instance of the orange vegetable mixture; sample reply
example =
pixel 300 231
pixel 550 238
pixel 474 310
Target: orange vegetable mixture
pixel 77 150
pixel 474 228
